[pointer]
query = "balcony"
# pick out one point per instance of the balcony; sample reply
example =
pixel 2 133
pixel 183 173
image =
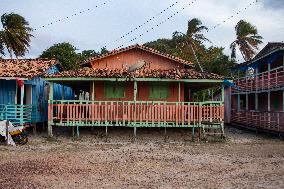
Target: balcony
pixel 272 79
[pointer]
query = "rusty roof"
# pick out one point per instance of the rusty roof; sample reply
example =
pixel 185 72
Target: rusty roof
pixel 142 73
pixel 25 68
pixel 141 47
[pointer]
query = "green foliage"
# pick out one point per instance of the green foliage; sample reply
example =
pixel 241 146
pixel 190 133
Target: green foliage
pixel 190 47
pixel 15 36
pixel 86 54
pixel 247 40
pixel 65 53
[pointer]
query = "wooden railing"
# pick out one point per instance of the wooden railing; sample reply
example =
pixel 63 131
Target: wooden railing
pixel 273 121
pixel 262 81
pixel 17 114
pixel 129 113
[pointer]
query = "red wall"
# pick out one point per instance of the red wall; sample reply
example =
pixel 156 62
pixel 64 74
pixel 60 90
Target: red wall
pixel 131 57
pixel 142 95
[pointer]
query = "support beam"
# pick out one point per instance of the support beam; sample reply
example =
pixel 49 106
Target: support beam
pixel 106 134
pixel 256 101
pixel 135 91
pixel 283 100
pixel 268 101
pixel 134 132
pixel 62 93
pixel 179 91
pixel 50 121
pixel 22 94
pixel 239 102
pixel 223 93
pixel 247 101
pixel 78 132
pixel 93 90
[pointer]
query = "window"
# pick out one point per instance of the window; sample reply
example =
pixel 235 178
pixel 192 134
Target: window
pixel 114 90
pixel 159 90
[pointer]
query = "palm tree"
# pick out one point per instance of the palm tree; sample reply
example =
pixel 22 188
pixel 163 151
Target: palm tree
pixel 247 40
pixel 193 37
pixel 15 36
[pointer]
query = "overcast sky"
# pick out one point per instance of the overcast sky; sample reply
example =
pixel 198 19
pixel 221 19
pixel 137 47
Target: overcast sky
pixel 105 24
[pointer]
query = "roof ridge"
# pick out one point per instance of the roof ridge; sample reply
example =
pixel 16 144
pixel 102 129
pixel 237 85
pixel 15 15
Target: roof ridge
pixel 142 47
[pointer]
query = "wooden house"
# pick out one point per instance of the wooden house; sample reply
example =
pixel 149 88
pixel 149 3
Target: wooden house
pixel 258 97
pixel 135 87
pixel 23 93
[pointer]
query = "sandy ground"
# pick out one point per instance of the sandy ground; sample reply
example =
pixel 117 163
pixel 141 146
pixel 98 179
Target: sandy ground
pixel 244 160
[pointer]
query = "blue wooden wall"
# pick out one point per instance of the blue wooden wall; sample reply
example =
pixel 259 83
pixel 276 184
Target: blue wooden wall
pixel 7 91
pixel 40 97
pixel 39 94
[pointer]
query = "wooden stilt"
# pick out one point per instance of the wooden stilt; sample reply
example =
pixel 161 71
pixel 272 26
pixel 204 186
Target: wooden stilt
pixel 78 132
pixel 49 130
pixel 193 134
pixel 165 133
pixel 134 133
pixel 34 129
pixel 7 131
pixel 73 131
pixel 106 134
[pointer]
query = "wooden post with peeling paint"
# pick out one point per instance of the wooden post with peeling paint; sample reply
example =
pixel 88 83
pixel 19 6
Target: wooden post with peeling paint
pixel 50 101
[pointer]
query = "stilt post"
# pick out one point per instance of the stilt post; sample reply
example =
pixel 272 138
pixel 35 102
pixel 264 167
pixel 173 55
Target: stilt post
pixel 50 110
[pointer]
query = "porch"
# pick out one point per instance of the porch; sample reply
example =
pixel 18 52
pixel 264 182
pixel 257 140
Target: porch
pixel 137 105
pixel 17 114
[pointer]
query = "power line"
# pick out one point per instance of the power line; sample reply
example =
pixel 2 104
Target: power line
pixel 157 25
pixel 232 16
pixel 76 14
pixel 144 23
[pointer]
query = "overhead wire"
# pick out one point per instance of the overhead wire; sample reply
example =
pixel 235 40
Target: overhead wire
pixel 144 23
pixel 160 23
pixel 75 14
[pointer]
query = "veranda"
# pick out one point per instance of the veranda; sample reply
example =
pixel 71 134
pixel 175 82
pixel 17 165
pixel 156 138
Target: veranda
pixel 136 110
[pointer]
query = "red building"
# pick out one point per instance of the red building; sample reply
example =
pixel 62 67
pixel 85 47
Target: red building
pixel 137 87
pixel 257 101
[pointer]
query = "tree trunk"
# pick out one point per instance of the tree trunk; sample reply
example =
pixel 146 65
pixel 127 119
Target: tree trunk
pixel 200 67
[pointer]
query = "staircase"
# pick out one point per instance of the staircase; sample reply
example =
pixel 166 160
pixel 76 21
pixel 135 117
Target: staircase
pixel 212 129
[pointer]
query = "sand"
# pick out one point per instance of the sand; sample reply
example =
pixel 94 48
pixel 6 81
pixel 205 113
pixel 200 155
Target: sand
pixel 243 160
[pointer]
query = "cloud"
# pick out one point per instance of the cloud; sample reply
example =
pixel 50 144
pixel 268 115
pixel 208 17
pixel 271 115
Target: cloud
pixel 100 26
pixel 274 4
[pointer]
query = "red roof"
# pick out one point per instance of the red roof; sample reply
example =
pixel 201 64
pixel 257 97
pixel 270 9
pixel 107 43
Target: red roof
pixel 25 68
pixel 141 73
pixel 141 47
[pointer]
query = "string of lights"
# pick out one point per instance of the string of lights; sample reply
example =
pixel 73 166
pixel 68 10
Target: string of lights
pixel 157 25
pixel 75 14
pixel 144 23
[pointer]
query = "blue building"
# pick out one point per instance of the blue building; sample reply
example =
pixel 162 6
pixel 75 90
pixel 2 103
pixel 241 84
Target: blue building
pixel 23 93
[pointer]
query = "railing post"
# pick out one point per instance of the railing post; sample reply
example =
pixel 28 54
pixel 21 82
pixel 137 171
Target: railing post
pixel 135 108
pixel 50 110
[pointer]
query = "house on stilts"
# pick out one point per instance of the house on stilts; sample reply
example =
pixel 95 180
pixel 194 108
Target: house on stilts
pixel 23 93
pixel 137 87
pixel 257 100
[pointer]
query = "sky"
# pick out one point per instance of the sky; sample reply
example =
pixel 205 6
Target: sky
pixel 103 25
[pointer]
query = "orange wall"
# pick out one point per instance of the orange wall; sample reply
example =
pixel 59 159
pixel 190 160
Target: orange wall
pixel 131 57
pixel 143 92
